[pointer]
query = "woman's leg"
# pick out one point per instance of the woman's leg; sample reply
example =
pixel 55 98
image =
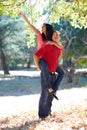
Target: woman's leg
pixel 50 96
pixel 60 74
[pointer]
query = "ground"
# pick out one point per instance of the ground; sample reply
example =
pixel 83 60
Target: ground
pixel 19 97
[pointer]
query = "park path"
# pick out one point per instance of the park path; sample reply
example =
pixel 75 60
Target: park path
pixel 17 110
pixel 11 105
pixel 14 105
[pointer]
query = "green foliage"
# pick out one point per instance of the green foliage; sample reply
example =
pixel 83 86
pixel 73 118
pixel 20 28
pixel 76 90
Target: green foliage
pixel 13 39
pixel 78 46
pixel 74 23
pixel 82 64
pixel 75 12
pixel 11 7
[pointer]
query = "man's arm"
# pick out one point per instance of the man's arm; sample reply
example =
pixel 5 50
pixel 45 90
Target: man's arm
pixel 36 60
pixel 29 24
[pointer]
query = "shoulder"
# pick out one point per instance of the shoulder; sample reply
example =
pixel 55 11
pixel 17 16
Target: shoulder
pixel 39 33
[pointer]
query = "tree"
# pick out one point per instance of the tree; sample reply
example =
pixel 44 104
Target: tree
pixel 75 46
pixel 74 12
pixel 13 41
pixel 3 62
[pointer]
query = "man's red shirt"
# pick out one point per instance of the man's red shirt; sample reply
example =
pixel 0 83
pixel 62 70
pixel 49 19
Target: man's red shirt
pixel 51 55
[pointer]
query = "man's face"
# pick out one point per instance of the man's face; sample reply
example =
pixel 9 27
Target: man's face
pixel 56 37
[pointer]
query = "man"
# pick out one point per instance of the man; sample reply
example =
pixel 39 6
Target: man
pixel 51 55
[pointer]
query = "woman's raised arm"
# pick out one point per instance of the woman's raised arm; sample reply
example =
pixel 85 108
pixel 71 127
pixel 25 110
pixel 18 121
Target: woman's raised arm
pixel 29 24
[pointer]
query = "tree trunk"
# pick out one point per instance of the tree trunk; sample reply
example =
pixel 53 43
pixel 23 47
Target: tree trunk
pixel 28 64
pixel 70 75
pixel 72 70
pixel 3 63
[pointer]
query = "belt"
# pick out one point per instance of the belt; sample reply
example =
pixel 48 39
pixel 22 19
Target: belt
pixel 52 73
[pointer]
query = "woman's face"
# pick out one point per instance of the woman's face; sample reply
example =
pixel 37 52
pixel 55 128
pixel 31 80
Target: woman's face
pixel 44 29
pixel 56 37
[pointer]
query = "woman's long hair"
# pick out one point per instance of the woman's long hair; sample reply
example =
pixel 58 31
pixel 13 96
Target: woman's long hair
pixel 49 32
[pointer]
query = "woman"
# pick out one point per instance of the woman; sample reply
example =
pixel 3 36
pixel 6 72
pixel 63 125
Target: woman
pixel 43 37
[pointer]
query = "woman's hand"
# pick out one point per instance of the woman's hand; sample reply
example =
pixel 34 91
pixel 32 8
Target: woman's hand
pixel 59 45
pixel 21 14
pixel 49 42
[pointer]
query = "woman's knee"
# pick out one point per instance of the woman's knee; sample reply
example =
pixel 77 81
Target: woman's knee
pixel 60 71
pixel 43 65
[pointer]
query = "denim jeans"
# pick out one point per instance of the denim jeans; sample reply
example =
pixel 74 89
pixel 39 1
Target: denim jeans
pixel 48 81
pixel 50 97
pixel 46 78
pixel 45 73
pixel 45 82
pixel 60 74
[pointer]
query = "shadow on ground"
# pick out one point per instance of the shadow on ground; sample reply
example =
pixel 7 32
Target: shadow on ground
pixel 28 125
pixel 25 84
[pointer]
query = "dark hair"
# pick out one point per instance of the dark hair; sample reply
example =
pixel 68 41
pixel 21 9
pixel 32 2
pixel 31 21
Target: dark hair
pixel 49 32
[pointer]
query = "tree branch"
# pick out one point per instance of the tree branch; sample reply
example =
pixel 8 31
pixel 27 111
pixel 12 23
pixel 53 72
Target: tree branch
pixel 78 59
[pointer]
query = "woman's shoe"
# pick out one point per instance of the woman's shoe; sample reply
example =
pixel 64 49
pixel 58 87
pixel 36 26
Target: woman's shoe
pixel 52 92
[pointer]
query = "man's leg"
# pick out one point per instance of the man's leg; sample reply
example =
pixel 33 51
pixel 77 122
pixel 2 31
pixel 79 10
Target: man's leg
pixel 43 112
pixel 44 70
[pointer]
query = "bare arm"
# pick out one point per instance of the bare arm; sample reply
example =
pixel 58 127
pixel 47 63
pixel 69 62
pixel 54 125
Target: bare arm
pixel 55 44
pixel 36 60
pixel 58 45
pixel 29 24
pixel 62 54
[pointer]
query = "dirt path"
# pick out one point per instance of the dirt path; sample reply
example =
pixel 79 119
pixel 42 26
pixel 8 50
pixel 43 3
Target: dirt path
pixel 19 111
pixel 16 111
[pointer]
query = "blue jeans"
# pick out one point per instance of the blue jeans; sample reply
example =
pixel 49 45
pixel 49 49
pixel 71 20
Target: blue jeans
pixel 48 81
pixel 60 74
pixel 46 78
